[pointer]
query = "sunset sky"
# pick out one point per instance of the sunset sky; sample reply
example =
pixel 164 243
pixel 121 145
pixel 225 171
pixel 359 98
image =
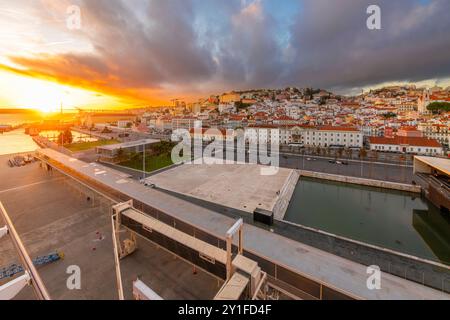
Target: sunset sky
pixel 138 53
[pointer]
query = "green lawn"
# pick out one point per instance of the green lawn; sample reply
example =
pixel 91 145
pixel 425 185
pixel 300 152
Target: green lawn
pixel 152 163
pixel 82 146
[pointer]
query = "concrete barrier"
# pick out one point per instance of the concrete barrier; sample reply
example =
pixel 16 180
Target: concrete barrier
pixel 362 181
pixel 284 198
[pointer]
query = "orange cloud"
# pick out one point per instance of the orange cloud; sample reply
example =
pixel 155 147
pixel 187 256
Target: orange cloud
pixel 85 72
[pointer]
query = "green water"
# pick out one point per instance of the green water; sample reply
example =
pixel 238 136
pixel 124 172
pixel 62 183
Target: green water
pixel 395 220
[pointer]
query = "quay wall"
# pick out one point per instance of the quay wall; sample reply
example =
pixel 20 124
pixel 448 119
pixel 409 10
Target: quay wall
pixel 361 181
pixel 284 198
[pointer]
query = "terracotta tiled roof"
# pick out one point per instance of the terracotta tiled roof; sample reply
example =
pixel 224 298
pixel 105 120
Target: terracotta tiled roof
pixel 237 117
pixel 214 131
pixel 337 128
pixel 408 128
pixel 407 141
pixel 105 114
pixel 284 118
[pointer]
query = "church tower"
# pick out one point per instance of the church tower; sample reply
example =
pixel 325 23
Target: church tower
pixel 424 101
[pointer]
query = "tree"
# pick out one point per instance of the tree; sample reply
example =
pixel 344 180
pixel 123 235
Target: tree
pixel 373 158
pixel 438 107
pixel 120 153
pixel 362 153
pixel 106 130
pixel 65 137
pixel 240 105
pixel 389 115
pixel 348 152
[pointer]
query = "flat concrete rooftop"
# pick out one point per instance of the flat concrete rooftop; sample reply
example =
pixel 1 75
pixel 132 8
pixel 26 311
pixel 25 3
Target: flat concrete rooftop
pixel 238 186
pixel 440 164
pixel 348 276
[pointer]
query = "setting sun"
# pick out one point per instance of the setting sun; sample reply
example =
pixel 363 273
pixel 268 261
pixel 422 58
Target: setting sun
pixel 47 96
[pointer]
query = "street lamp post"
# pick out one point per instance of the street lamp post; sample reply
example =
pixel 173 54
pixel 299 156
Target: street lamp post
pixel 303 160
pixel 143 164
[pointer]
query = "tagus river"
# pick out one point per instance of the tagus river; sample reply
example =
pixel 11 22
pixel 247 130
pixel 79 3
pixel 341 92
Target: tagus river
pixel 16 141
pixel 395 220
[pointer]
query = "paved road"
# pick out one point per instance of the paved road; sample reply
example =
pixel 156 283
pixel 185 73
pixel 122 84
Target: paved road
pixel 355 168
pixel 377 171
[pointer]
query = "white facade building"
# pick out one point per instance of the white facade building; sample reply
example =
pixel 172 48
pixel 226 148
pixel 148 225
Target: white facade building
pixel 413 145
pixel 326 136
pixel 330 136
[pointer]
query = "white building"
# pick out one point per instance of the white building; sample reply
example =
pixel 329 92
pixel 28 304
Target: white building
pixel 325 136
pixel 263 133
pixel 213 134
pixel 439 132
pixel 414 145
pixel 163 123
pixel 185 123
pixel 333 136
pixel 124 124
pixel 226 108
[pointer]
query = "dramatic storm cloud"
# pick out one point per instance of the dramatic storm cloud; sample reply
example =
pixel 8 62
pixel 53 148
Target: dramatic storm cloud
pixel 156 49
pixel 334 49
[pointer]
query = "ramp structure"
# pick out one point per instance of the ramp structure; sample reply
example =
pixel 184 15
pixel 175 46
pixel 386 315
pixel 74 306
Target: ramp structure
pixel 243 278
